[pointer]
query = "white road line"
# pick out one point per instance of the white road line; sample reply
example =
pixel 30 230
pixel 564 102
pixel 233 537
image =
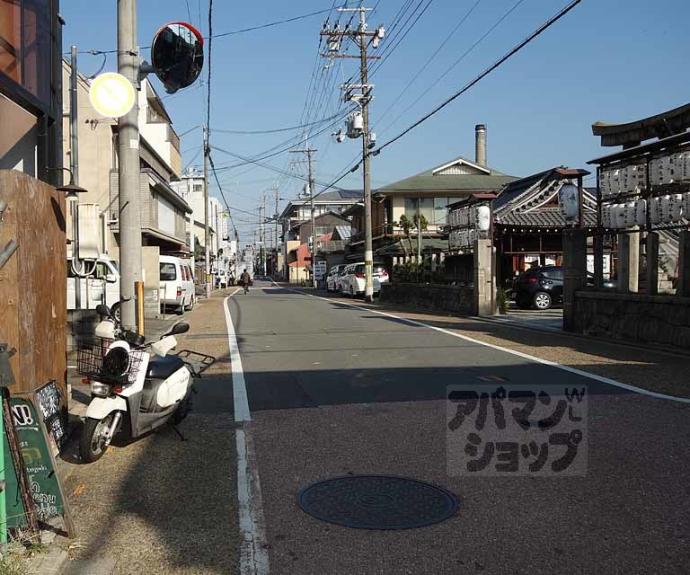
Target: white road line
pixel 599 378
pixel 253 544
pixel 239 388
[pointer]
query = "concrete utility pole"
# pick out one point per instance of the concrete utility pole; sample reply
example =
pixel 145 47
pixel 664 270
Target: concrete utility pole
pixel 207 234
pixel 368 236
pixel 128 165
pixel 262 219
pixel 363 39
pixel 314 243
pixel 275 266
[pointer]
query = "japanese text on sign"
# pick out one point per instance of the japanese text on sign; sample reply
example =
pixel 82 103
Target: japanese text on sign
pixel 516 430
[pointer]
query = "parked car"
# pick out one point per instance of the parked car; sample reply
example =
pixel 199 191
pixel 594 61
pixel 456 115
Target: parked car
pixel 539 287
pixel 339 287
pixel 176 284
pixel 333 276
pixel 542 287
pixel 353 281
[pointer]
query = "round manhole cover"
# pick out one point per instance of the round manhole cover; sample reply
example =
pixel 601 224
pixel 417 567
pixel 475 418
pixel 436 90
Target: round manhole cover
pixel 378 502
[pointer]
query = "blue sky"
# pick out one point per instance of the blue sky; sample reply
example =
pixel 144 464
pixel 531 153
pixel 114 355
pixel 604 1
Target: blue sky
pixel 610 60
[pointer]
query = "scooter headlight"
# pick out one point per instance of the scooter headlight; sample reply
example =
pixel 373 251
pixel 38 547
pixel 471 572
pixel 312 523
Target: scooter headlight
pixel 100 389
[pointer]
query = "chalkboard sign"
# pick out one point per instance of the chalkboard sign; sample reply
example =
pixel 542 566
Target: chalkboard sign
pixel 40 468
pixel 48 400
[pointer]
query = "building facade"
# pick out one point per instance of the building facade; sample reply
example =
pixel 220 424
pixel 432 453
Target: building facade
pixel 30 92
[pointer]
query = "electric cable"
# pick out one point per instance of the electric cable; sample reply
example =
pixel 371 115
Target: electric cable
pixel 481 76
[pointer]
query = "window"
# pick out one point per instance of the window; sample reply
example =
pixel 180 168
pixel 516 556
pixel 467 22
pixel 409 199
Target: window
pixel 168 272
pixel 440 211
pixel 553 273
pixel 25 45
pixel 198 188
pixel 426 209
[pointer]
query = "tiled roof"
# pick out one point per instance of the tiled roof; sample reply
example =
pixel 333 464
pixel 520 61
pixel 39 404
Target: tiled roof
pixel 409 245
pixel 430 182
pixel 544 218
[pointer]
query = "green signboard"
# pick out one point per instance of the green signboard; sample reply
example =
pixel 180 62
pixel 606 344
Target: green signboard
pixel 38 461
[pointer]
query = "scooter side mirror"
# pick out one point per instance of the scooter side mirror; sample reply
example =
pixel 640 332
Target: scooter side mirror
pixel 178 328
pixel 103 310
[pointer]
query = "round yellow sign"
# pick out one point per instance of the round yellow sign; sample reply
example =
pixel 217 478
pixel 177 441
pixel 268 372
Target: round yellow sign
pixel 112 94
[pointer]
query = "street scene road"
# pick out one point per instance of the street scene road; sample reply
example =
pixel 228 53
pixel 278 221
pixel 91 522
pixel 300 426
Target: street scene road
pixel 337 389
pixel 344 288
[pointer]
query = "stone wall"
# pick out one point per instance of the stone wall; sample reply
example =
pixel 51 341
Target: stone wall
pixel 633 317
pixel 440 297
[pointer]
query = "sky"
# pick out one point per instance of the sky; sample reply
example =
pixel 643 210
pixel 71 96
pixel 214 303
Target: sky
pixel 608 60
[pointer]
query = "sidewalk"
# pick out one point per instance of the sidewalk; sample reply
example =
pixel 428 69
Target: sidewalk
pixel 159 504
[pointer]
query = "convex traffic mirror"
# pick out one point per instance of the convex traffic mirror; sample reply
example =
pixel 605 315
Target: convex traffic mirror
pixel 177 55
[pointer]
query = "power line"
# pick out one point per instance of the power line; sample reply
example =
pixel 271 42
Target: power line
pixel 266 155
pixel 271 24
pixel 276 130
pixel 392 44
pixel 456 62
pixel 267 166
pixel 431 58
pixel 481 76
pixel 223 34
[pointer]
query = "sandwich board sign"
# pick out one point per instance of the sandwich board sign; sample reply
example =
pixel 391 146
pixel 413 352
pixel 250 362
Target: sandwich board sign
pixel 37 447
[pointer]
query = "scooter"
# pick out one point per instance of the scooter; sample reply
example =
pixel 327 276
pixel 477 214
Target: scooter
pixel 135 386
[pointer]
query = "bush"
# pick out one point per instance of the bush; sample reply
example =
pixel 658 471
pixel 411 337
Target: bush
pixel 502 300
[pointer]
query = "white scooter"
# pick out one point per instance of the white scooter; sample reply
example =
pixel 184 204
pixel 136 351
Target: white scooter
pixel 133 381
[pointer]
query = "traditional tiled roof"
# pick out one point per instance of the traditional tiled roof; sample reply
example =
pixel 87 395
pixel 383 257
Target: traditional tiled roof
pixel 545 218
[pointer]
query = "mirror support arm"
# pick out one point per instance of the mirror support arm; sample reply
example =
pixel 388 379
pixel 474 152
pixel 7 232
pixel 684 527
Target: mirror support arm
pixel 145 69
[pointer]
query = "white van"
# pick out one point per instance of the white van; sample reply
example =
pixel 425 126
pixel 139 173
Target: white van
pixel 101 287
pixel 176 284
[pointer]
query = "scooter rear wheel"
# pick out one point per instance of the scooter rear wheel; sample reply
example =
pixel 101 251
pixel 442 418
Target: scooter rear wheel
pixel 93 443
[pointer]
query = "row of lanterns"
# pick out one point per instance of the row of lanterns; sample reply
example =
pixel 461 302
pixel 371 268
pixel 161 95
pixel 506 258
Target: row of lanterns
pixel 631 179
pixel 668 209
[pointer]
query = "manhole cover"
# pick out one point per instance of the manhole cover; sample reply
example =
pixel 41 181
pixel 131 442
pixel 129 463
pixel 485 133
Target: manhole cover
pixel 378 502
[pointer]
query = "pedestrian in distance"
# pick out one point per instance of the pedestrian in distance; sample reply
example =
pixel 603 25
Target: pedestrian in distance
pixel 245 280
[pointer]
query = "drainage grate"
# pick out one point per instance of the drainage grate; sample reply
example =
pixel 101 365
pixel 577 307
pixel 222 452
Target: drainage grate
pixel 378 502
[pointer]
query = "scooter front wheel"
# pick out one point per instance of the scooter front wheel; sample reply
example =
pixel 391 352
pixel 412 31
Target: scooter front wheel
pixel 94 438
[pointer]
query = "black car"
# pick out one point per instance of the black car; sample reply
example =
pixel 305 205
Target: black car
pixel 539 288
pixel 542 287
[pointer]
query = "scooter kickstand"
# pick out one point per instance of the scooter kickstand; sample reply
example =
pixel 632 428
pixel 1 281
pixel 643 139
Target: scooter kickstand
pixel 179 433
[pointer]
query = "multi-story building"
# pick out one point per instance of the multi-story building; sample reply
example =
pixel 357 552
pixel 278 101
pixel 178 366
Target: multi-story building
pixel 30 107
pixel 163 212
pixel 299 211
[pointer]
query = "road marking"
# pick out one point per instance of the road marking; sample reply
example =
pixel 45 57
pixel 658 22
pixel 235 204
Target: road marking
pixel 253 544
pixel 239 387
pixel 599 378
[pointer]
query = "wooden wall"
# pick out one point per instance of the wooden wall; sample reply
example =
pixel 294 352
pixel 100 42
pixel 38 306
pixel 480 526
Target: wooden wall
pixel 33 307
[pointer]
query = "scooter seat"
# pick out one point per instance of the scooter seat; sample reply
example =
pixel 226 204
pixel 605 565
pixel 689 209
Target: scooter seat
pixel 163 367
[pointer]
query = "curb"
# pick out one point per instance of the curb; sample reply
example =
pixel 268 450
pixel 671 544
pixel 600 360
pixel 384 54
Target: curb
pixel 52 562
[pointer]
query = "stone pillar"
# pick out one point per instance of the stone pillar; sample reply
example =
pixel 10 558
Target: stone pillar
pixel 484 282
pixel 628 262
pixel 652 272
pixel 574 272
pixel 684 264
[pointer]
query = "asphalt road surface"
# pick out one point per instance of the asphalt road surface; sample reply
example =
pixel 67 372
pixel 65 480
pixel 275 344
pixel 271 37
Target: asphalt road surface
pixel 335 390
